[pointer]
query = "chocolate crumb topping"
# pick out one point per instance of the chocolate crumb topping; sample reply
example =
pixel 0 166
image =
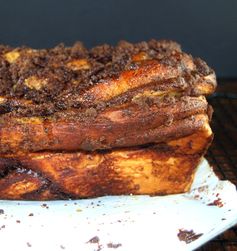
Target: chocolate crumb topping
pixel 46 81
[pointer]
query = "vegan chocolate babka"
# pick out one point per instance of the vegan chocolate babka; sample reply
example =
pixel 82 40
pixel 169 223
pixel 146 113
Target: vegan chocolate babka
pixel 79 123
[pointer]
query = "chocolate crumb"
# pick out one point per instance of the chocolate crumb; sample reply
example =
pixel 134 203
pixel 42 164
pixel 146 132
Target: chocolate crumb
pixel 18 221
pixel 91 112
pixel 1 211
pixel 31 214
pixel 45 205
pixel 95 239
pixel 216 202
pixel 112 245
pixel 28 244
pixel 99 247
pixel 188 235
pixel 3 226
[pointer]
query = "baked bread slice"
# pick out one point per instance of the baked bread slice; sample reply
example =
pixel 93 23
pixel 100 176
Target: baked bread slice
pixel 165 168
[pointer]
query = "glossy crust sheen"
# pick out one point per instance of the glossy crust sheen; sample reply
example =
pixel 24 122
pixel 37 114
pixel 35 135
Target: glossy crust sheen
pixel 79 123
pixel 78 99
pixel 125 126
pixel 165 168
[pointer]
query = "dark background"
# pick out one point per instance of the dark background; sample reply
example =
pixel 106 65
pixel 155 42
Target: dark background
pixel 205 28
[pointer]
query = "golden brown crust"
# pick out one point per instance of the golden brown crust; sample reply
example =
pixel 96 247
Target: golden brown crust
pixel 64 77
pixel 139 110
pixel 78 99
pixel 163 168
pixel 125 126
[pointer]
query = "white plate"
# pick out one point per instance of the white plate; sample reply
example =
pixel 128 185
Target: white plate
pixel 122 222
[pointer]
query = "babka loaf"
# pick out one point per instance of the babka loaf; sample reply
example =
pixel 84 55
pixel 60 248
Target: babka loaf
pixel 79 123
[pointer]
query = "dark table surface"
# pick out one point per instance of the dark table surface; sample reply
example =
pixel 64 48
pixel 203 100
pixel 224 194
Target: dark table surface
pixel 222 155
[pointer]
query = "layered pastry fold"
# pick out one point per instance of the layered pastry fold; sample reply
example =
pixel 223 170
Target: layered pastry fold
pixel 79 123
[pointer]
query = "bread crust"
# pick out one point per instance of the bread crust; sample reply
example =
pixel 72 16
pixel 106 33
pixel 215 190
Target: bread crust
pixel 111 120
pixel 165 168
